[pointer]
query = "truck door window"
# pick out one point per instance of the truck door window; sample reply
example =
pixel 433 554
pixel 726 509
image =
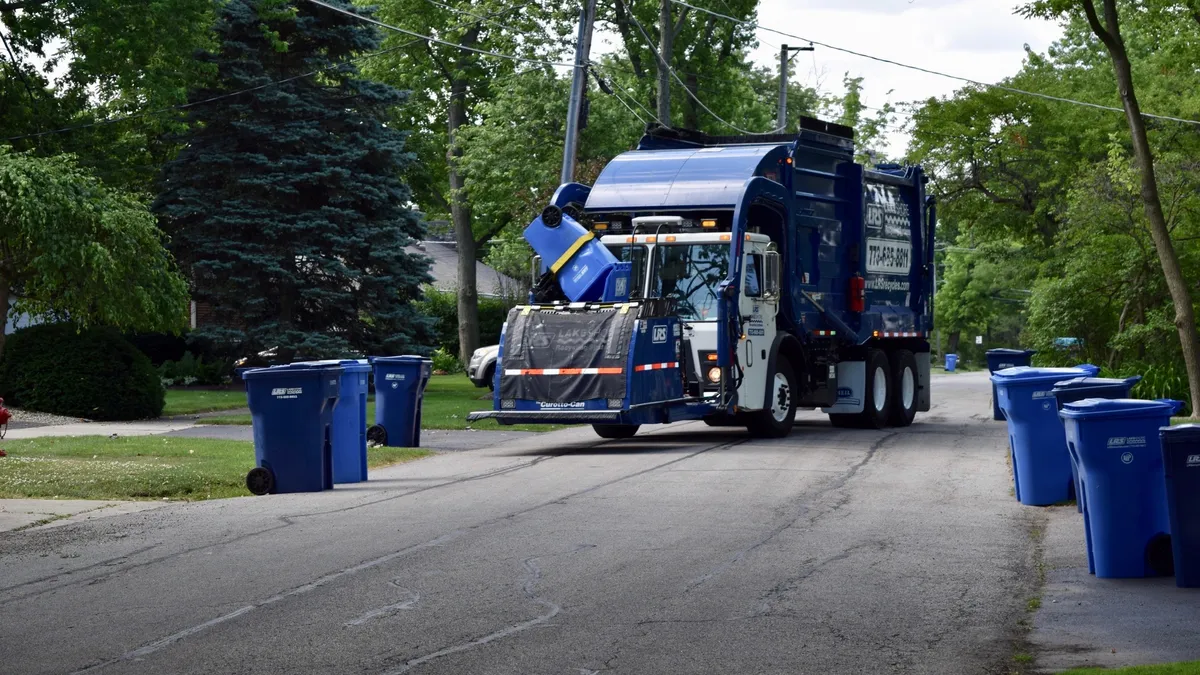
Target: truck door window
pixel 753 283
pixel 637 275
pixel 690 275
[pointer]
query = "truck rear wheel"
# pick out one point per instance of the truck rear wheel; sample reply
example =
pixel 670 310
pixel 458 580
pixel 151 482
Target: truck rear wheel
pixel 616 430
pixel 876 398
pixel 904 389
pixel 776 420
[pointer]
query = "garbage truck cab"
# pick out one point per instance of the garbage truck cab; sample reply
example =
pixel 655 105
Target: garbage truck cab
pixel 727 279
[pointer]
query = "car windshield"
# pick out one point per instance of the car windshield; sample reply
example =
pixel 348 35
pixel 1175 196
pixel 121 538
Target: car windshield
pixel 690 274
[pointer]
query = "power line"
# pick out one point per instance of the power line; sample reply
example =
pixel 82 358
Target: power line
pixel 968 80
pixel 184 106
pixel 662 60
pixel 632 96
pixel 440 41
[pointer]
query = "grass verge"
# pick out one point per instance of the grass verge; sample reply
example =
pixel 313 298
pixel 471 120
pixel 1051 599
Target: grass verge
pixel 1182 668
pixel 448 400
pixel 192 401
pixel 144 467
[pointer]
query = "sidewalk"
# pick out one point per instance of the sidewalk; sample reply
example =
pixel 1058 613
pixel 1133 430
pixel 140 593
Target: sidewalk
pixel 1106 623
pixel 145 428
pixel 26 513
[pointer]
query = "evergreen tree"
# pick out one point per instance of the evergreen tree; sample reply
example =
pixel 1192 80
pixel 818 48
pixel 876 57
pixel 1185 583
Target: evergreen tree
pixel 286 205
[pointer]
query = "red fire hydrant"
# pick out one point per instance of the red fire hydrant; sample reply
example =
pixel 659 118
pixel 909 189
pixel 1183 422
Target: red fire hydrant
pixel 5 416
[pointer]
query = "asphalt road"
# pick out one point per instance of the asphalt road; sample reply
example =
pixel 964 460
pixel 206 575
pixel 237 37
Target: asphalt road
pixel 684 550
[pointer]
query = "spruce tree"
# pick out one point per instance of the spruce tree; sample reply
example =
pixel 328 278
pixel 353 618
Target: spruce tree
pixel 286 206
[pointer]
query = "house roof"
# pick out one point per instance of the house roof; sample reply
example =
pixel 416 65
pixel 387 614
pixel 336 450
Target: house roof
pixel 444 270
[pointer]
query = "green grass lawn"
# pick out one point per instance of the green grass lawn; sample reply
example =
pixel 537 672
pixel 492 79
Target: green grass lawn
pixel 145 467
pixel 192 401
pixel 1183 668
pixel 448 399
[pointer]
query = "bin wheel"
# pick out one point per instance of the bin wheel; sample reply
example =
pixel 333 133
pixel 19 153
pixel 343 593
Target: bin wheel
pixel 376 436
pixel 260 481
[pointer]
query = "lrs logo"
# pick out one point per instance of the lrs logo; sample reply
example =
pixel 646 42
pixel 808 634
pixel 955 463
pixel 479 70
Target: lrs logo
pixel 1193 460
pixel 660 334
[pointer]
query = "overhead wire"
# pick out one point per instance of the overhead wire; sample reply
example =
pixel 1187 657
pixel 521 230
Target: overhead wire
pixel 440 41
pixel 979 83
pixel 192 104
pixel 663 62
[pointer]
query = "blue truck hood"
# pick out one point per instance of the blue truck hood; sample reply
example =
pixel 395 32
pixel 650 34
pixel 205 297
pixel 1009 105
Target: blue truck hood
pixel 645 180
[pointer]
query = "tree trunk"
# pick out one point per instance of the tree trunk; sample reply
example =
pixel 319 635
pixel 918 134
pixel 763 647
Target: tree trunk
pixel 460 213
pixel 1185 320
pixel 952 347
pixel 665 49
pixel 5 289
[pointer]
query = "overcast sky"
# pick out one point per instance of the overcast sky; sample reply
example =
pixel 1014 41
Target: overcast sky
pixel 979 39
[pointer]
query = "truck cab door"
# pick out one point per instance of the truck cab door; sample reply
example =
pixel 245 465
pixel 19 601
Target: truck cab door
pixel 758 305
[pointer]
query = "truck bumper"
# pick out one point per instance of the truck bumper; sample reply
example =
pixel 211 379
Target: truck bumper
pixel 548 416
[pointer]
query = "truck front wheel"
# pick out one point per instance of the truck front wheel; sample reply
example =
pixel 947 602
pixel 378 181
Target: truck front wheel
pixel 776 420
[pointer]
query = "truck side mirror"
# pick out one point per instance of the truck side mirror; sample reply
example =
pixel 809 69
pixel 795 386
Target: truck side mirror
pixel 771 283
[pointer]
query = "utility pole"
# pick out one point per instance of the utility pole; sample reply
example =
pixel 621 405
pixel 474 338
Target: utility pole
pixel 583 48
pixel 666 40
pixel 781 120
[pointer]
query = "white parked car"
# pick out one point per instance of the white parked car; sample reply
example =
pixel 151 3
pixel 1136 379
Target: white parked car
pixel 482 367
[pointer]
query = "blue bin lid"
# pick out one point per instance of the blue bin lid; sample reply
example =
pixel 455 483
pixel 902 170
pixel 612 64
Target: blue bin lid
pixel 1119 407
pixel 348 365
pixel 1005 351
pixel 1077 383
pixel 290 369
pixel 1032 375
pixel 1183 433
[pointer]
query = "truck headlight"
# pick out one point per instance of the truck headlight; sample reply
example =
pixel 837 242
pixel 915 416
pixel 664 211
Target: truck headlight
pixel 714 375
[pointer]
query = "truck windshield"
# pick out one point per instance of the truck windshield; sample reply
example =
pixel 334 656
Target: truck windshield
pixel 637 256
pixel 690 275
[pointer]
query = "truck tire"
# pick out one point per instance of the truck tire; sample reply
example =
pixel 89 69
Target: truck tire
pixel 490 374
pixel 877 401
pixel 777 419
pixel 904 388
pixel 616 430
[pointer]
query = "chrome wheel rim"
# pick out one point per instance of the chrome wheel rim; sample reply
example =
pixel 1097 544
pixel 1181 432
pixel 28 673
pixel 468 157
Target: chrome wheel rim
pixel 782 401
pixel 879 390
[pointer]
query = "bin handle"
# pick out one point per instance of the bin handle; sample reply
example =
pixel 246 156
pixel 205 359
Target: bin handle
pixel 1176 406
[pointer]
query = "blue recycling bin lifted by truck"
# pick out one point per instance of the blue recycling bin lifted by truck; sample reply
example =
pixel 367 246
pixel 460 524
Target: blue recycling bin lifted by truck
pixel 291 407
pixel 1181 468
pixel 1040 463
pixel 399 393
pixel 1116 444
pixel 1002 359
pixel 1079 388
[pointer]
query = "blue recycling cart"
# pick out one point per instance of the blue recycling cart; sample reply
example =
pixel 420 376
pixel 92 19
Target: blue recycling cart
pixel 349 434
pixel 1002 359
pixel 1040 463
pixel 1079 388
pixel 1181 468
pixel 951 362
pixel 399 393
pixel 291 408
pixel 1116 442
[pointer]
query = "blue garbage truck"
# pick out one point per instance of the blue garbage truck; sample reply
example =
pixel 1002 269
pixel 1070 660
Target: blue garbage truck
pixel 730 279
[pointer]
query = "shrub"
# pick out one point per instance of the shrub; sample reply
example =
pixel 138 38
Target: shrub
pixel 94 373
pixel 443 307
pixel 446 362
pixel 192 369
